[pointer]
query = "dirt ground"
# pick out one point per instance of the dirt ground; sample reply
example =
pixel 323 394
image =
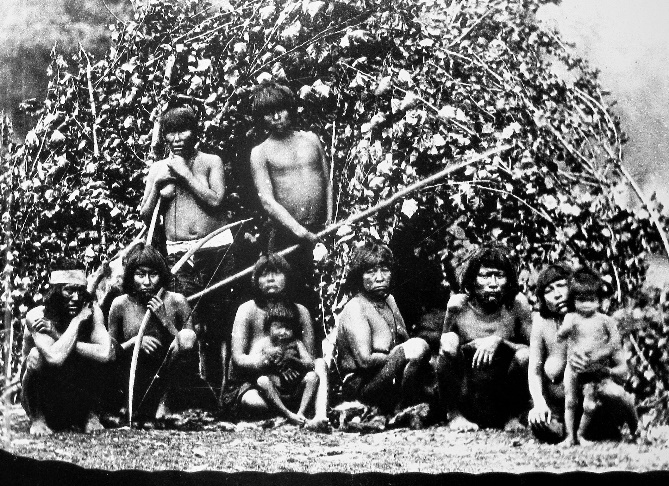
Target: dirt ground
pixel 218 446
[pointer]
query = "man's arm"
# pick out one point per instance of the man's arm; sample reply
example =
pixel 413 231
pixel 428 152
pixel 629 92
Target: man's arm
pixel 276 211
pixel 304 359
pixel 183 312
pixel 399 321
pixel 157 175
pixel 210 193
pixel 56 351
pixel 450 339
pixel 100 348
pixel 535 368
pixel 354 323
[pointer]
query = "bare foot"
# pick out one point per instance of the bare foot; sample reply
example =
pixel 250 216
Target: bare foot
pixel 584 442
pixel 297 419
pixel 318 425
pixel 513 425
pixel 39 427
pixel 568 442
pixel 461 424
pixel 93 424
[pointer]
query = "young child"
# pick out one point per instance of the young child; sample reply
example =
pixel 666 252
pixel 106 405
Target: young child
pixel 593 337
pixel 287 365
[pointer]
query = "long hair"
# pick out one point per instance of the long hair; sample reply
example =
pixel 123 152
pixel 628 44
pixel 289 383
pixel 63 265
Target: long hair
pixel 585 284
pixel 144 255
pixel 270 263
pixel 492 257
pixel 180 119
pixel 286 313
pixel 549 275
pixel 272 97
pixel 365 257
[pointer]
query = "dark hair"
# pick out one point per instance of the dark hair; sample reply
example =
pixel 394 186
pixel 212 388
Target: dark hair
pixel 286 313
pixel 365 257
pixel 144 255
pixel 270 263
pixel 585 283
pixel 271 97
pixel 492 257
pixel 549 275
pixel 55 303
pixel 179 119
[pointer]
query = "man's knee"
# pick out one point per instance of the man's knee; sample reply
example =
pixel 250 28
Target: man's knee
pixel 186 339
pixel 521 357
pixel 264 382
pixel 416 349
pixel 34 360
pixel 589 405
pixel 311 378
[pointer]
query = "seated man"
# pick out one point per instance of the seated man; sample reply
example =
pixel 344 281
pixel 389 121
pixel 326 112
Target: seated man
pixel 242 397
pixel 547 366
pixel 169 334
pixel 379 363
pixel 64 377
pixel 484 353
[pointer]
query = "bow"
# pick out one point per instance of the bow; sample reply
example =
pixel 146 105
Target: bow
pixel 147 317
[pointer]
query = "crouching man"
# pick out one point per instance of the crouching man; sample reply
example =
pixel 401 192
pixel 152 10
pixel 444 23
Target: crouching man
pixel 65 371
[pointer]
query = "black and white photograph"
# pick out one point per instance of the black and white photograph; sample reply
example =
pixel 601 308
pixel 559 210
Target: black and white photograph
pixel 334 241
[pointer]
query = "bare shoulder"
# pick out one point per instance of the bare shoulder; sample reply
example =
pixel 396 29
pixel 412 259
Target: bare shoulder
pixel 246 310
pixel 521 302
pixel 539 323
pixel 353 310
pixel 258 151
pixel 310 137
pixel 209 159
pixel 457 303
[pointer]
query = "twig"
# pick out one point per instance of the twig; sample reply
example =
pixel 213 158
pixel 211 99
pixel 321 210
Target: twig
pixel 96 148
pixel 468 31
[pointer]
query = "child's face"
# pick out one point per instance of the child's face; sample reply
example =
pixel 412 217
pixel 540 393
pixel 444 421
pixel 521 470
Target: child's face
pixel 586 306
pixel 279 332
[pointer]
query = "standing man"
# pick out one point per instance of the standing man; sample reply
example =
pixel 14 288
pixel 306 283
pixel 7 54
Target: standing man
pixel 65 374
pixel 242 397
pixel 192 186
pixel 484 346
pixel 291 176
pixel 379 363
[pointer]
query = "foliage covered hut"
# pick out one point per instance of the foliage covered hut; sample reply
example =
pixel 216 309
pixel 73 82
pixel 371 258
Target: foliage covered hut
pixel 398 90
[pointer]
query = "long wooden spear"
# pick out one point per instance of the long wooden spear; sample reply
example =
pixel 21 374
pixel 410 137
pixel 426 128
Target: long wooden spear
pixel 366 213
pixel 147 316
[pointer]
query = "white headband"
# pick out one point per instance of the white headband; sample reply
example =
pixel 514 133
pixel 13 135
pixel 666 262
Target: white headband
pixel 71 277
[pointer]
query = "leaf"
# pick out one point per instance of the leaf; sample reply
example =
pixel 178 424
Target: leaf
pixel 384 85
pixel 409 207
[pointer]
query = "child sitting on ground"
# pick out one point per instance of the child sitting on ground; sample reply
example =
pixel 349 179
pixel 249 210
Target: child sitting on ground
pixel 593 337
pixel 288 368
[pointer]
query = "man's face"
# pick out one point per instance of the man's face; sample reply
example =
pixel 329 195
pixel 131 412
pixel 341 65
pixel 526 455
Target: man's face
pixel 555 296
pixel 278 121
pixel 73 295
pixel 490 283
pixel 181 143
pixel 376 281
pixel 146 280
pixel 271 283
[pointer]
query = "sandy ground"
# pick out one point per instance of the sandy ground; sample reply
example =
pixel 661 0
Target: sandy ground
pixel 219 446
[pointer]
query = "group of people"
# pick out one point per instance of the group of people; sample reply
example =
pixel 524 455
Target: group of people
pixel 496 363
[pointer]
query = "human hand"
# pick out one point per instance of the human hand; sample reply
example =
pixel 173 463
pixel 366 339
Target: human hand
pixel 43 326
pixel 290 374
pixel 485 350
pixel 150 344
pixel 583 363
pixel 85 313
pixel 157 306
pixel 539 416
pixel 178 168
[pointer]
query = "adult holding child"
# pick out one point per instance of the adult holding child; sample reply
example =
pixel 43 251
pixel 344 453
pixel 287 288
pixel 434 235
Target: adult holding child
pixel 244 397
pixel 292 179
pixel 379 364
pixel 548 360
pixel 484 346
pixel 191 187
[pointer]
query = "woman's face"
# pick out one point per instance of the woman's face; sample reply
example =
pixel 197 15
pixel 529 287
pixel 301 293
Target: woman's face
pixel 555 296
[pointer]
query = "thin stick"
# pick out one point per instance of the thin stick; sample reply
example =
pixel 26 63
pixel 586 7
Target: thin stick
pixel 154 221
pixel 364 214
pixel 89 70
